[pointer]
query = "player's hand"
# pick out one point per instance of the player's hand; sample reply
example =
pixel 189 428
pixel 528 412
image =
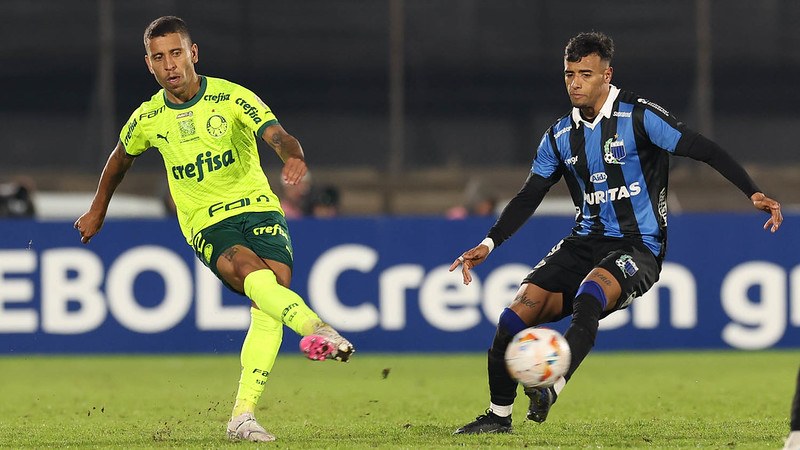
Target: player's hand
pixel 294 169
pixel 88 225
pixel 768 205
pixel 470 259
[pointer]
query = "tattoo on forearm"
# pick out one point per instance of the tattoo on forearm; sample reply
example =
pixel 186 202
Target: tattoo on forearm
pixel 525 301
pixel 229 253
pixel 277 140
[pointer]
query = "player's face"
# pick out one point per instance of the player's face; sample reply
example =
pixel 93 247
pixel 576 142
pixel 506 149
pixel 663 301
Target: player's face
pixel 171 58
pixel 588 81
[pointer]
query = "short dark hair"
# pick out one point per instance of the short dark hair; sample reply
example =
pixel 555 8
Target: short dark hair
pixel 164 26
pixel 587 43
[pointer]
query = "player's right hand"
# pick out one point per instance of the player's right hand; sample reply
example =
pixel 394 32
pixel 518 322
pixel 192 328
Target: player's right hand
pixel 470 259
pixel 88 225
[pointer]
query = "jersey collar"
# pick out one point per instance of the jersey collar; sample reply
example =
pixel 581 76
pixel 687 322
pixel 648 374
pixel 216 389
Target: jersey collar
pixel 193 101
pixel 605 111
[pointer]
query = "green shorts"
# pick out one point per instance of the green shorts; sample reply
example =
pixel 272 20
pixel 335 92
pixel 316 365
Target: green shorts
pixel 265 233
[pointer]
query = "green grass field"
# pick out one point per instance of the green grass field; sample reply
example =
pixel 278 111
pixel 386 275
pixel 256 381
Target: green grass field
pixel 633 400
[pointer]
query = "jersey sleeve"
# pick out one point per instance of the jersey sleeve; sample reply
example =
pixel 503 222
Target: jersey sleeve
pixel 132 136
pixel 664 129
pixel 251 111
pixel 545 162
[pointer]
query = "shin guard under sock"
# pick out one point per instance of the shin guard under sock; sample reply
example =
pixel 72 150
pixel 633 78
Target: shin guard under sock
pixel 582 331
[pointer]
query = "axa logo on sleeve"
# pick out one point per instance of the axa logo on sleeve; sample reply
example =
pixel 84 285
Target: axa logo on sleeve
pixel 612 194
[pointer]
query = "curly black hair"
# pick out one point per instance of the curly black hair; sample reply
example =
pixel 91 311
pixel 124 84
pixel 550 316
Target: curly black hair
pixel 587 43
pixel 164 26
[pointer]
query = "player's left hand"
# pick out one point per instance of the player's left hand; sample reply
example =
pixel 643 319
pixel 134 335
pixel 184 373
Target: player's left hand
pixel 294 169
pixel 768 205
pixel 470 259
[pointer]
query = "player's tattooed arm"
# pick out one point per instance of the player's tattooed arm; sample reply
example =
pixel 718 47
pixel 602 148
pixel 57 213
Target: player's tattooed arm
pixel 290 152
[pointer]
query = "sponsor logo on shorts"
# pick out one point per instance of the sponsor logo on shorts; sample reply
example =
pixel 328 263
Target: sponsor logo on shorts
pixel 627 265
pixel 272 230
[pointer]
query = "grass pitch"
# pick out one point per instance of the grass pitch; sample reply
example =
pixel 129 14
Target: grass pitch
pixel 634 400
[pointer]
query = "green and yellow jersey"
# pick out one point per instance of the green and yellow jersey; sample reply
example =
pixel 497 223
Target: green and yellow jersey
pixel 209 150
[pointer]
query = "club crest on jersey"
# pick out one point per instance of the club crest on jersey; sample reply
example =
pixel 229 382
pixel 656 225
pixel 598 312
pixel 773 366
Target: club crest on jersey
pixel 614 151
pixel 216 126
pixel 627 265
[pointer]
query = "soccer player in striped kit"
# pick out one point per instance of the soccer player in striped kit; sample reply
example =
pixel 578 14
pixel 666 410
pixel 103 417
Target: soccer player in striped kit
pixel 613 151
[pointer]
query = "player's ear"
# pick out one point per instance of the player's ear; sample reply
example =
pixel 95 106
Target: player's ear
pixel 195 55
pixel 149 64
pixel 609 72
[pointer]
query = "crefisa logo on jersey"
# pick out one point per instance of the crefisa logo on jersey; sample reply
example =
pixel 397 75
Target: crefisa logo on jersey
pixel 217 126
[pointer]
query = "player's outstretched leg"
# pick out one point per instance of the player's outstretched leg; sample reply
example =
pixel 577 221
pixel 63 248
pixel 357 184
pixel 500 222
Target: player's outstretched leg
pixel 502 388
pixel 320 341
pixel 325 343
pixel 245 428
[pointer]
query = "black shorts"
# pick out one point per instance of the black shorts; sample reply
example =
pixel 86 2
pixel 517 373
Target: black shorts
pixel 633 265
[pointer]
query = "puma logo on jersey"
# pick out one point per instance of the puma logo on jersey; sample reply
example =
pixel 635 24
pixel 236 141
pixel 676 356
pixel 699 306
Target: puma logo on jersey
pixel 164 137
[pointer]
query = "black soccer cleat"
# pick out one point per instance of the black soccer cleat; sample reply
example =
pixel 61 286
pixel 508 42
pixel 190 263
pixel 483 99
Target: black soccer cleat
pixel 487 423
pixel 541 401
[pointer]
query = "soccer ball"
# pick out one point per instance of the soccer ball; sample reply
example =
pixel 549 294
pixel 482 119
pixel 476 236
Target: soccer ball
pixel 537 357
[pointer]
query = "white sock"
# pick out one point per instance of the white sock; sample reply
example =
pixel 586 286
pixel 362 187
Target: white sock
pixel 502 411
pixel 792 442
pixel 559 385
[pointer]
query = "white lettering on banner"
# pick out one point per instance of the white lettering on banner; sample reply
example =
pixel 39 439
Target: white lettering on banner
pixel 210 313
pixel 675 280
pixel 18 290
pixel 83 290
pixel 447 303
pixel 322 287
pixel 759 323
pixel 794 279
pixel 393 283
pixel 177 286
pixel 501 287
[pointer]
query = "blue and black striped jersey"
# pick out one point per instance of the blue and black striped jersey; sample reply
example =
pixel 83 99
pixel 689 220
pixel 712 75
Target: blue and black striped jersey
pixel 616 167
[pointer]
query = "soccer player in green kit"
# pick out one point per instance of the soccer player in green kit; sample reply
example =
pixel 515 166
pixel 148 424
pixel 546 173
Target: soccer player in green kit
pixel 205 130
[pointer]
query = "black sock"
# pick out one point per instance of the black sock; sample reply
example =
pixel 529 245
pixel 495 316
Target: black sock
pixel 502 387
pixel 583 329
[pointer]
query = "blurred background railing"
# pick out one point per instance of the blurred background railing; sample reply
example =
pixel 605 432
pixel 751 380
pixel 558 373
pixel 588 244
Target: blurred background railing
pixel 403 106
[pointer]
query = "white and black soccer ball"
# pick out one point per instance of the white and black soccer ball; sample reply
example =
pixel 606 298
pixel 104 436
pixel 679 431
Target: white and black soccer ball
pixel 537 357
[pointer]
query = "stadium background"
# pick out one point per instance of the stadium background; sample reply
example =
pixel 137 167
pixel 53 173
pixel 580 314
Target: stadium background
pixel 408 108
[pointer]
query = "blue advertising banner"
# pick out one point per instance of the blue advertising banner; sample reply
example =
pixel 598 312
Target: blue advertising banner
pixel 385 284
